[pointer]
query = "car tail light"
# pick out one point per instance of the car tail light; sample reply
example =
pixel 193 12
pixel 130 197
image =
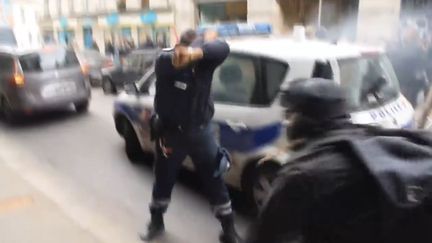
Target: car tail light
pixel 18 80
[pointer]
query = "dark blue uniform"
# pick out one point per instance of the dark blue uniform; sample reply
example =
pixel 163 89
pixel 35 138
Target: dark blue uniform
pixel 185 107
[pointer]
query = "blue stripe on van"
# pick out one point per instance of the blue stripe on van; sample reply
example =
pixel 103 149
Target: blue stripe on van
pixel 249 139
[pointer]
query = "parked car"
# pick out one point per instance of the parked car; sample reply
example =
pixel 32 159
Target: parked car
pixel 132 69
pixel 249 120
pixel 92 63
pixel 41 80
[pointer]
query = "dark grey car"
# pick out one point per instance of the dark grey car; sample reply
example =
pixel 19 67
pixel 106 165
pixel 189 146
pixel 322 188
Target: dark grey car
pixel 134 67
pixel 41 80
pixel 92 63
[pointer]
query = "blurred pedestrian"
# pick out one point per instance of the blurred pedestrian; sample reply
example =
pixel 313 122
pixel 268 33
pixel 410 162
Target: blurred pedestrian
pixel 408 57
pixel 148 44
pixel 346 183
pixel 109 48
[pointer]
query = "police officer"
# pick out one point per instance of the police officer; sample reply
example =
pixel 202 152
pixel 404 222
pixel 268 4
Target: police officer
pixel 345 183
pixel 184 109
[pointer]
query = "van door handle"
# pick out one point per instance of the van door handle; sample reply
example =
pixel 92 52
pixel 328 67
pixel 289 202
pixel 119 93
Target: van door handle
pixel 236 126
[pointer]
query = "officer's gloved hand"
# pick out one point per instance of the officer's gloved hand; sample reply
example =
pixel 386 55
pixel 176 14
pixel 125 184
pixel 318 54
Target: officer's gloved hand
pixel 185 55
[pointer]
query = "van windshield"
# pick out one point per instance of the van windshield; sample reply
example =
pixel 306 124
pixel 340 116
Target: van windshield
pixel 368 81
pixel 48 60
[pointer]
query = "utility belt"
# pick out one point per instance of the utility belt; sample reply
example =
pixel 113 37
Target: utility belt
pixel 158 129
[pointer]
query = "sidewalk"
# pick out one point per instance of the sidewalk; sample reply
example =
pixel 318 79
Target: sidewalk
pixel 26 215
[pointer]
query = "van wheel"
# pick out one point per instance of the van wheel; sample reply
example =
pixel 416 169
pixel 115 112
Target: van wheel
pixel 133 148
pixel 108 87
pixel 257 182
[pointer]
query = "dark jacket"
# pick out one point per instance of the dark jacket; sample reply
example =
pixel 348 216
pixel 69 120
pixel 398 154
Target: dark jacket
pixel 195 102
pixel 327 193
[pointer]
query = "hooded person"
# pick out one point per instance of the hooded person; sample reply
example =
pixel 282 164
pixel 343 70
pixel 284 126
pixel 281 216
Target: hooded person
pixel 346 183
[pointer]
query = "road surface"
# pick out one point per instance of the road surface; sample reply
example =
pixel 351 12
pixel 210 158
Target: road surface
pixel 86 157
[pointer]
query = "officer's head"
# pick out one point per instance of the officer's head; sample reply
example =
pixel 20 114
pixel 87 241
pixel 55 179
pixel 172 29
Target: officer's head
pixel 312 105
pixel 187 37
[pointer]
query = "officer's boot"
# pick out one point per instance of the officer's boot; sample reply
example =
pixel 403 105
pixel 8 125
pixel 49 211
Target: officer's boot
pixel 155 228
pixel 229 234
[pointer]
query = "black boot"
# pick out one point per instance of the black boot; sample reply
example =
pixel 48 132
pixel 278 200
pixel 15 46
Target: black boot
pixel 155 228
pixel 229 234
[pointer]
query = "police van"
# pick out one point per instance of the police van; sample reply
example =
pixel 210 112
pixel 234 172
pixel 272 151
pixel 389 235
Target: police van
pixel 248 119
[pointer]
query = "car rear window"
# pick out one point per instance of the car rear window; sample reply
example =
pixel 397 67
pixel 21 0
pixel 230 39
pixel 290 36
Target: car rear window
pixel 48 60
pixel 7 37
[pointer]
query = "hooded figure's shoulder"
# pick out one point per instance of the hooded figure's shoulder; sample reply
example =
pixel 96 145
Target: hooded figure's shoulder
pixel 165 57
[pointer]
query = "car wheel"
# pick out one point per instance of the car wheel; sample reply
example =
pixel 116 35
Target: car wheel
pixel 82 107
pixel 133 148
pixel 93 82
pixel 7 112
pixel 108 87
pixel 257 182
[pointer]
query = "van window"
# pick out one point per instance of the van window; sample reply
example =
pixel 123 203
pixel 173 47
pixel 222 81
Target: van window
pixel 323 70
pixel 48 60
pixel 369 81
pixel 235 80
pixel 275 73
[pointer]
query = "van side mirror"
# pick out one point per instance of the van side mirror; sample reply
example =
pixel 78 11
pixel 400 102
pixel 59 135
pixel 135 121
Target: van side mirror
pixel 131 89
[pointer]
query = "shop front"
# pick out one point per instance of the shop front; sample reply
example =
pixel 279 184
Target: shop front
pixel 212 12
pixel 149 29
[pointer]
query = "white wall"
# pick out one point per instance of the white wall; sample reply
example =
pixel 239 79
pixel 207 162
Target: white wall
pixel 159 3
pixel 185 14
pixel 79 6
pixel 378 20
pixel 133 4
pixel 260 11
pixel 26 26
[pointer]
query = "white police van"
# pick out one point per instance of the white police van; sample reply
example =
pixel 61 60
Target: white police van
pixel 249 120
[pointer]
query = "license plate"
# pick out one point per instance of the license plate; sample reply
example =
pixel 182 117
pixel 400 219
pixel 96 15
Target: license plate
pixel 58 90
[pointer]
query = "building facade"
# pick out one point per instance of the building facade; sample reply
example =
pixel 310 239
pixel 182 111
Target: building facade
pixel 85 22
pixel 161 21
pixel 22 16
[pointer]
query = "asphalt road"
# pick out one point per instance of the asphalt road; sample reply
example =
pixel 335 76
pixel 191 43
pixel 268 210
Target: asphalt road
pixel 86 151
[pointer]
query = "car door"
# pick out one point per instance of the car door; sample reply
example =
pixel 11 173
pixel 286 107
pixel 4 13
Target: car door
pixel 135 105
pixel 127 73
pixel 136 70
pixel 244 90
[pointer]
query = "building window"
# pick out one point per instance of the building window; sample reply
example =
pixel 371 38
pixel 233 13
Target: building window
pixel 223 12
pixel 145 4
pixel 121 5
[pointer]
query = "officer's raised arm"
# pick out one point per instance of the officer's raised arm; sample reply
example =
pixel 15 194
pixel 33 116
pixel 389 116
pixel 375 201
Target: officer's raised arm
pixel 215 51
